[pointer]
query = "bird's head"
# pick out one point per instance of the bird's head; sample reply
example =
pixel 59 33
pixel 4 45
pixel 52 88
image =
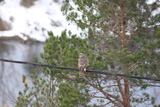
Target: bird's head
pixel 81 54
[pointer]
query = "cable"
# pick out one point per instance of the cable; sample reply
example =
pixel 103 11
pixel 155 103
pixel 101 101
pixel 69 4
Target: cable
pixel 75 69
pixel 36 64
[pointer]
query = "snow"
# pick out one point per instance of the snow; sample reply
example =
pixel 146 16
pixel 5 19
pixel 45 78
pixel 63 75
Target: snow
pixel 34 21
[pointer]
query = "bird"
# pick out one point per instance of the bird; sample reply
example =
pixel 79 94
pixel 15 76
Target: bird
pixel 83 63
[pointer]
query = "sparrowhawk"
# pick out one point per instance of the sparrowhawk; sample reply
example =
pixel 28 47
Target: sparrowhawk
pixel 82 64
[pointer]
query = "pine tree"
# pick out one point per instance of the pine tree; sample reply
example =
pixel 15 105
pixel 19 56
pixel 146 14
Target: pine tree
pixel 41 93
pixel 56 87
pixel 63 51
pixel 125 35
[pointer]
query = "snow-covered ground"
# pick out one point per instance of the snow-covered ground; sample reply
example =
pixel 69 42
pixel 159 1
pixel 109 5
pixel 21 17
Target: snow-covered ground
pixel 43 16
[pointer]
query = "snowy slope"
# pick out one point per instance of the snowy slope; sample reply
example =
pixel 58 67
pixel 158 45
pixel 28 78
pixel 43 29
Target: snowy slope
pixel 35 21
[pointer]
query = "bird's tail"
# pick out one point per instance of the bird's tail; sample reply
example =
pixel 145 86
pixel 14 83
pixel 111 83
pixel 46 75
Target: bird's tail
pixel 81 73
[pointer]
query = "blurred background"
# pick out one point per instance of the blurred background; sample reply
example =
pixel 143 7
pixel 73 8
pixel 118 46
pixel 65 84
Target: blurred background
pixel 23 31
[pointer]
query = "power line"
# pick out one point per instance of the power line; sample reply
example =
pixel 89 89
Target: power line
pixel 75 69
pixel 36 64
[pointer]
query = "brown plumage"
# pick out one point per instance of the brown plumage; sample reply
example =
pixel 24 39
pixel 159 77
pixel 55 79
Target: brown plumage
pixel 82 64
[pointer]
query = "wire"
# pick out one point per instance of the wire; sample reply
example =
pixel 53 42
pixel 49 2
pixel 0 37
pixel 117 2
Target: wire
pixel 75 69
pixel 36 64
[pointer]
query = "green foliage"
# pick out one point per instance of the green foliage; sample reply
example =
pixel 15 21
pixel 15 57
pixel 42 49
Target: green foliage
pixel 64 51
pixel 145 98
pixel 100 20
pixel 70 96
pixel 125 36
pixel 120 36
pixel 40 93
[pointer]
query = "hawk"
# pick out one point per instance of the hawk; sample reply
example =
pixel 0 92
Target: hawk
pixel 82 64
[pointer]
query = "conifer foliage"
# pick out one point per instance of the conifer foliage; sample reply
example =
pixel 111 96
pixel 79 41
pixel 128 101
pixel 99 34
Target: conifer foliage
pixel 122 36
pixel 126 35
